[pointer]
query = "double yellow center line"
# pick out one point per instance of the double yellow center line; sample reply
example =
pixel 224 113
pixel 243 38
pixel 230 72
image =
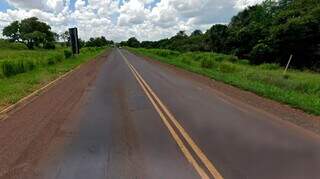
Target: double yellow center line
pixel 167 117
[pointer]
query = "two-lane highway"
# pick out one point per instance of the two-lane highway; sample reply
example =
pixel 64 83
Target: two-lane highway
pixel 139 119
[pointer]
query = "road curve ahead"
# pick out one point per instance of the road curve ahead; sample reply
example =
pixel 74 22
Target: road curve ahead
pixel 139 119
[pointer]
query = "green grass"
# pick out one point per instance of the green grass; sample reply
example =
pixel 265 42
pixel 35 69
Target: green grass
pixel 23 71
pixel 299 89
pixel 13 62
pixel 13 46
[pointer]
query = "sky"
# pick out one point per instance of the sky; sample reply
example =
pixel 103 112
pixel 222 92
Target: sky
pixel 121 19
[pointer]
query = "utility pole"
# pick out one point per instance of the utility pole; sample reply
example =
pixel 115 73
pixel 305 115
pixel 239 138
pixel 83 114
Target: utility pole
pixel 287 66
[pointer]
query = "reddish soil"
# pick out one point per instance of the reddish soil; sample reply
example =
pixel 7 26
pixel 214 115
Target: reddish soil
pixel 27 131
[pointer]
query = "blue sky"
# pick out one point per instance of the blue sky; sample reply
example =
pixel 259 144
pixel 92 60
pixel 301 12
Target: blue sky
pixel 121 19
pixel 4 6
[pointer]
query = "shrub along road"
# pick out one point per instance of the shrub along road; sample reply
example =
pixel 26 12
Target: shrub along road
pixel 24 71
pixel 299 89
pixel 126 117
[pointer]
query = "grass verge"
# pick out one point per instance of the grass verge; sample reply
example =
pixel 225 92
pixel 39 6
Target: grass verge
pixel 299 89
pixel 47 68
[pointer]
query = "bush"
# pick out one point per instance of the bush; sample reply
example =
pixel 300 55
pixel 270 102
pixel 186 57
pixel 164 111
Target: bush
pixel 226 67
pixel 286 76
pixel 30 65
pixel 54 59
pixel 244 62
pixel 67 54
pixel 186 60
pixel 10 68
pixel 197 57
pixel 5 44
pixel 219 58
pixel 260 53
pixel 269 66
pixel 166 53
pixel 7 68
pixel 49 45
pixel 231 58
pixel 59 57
pixel 51 61
pixel 207 63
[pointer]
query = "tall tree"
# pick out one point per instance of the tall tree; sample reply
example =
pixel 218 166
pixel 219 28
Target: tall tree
pixel 264 33
pixel 196 32
pixel 34 32
pixel 12 31
pixel 133 42
pixel 216 37
pixel 296 30
pixel 247 28
pixel 181 33
pixel 65 37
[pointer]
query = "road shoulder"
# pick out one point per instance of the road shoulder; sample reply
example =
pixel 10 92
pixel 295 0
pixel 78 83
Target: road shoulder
pixel 25 134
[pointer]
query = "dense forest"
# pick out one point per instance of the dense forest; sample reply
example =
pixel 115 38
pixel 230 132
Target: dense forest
pixel 265 33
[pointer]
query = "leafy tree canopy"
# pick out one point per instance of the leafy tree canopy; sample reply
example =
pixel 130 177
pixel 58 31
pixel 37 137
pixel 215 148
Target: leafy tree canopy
pixel 133 42
pixel 267 32
pixel 30 31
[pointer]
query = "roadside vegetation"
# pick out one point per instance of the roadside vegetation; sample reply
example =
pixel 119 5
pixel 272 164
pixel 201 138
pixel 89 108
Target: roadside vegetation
pixel 32 55
pixel 34 34
pixel 265 33
pixel 252 50
pixel 23 71
pixel 299 89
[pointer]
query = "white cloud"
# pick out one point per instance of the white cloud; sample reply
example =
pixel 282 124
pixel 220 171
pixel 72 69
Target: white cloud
pixel 118 19
pixel 46 5
pixel 164 15
pixel 241 4
pixel 132 12
pixel 79 4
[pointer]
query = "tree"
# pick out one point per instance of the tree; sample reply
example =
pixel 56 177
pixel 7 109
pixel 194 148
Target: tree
pixel 56 36
pixel 103 40
pixel 181 34
pixel 248 28
pixel 261 53
pixel 30 31
pixel 216 37
pixel 177 42
pixel 296 31
pixel 148 44
pixel 65 37
pixel 133 42
pixel 98 42
pixel 196 33
pixel 123 43
pixel 34 32
pixel 82 43
pixel 264 33
pixel 12 31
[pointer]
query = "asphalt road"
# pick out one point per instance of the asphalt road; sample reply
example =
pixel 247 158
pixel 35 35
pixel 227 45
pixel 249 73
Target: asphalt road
pixel 141 120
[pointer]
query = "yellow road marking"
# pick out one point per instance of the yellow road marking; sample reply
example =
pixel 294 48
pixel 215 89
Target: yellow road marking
pixel 213 171
pixel 190 141
pixel 183 148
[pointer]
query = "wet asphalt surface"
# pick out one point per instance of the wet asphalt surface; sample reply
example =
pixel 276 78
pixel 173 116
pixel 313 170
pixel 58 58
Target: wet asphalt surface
pixel 118 133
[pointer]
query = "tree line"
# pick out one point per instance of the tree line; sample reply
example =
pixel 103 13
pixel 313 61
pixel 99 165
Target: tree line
pixel 34 33
pixel 265 33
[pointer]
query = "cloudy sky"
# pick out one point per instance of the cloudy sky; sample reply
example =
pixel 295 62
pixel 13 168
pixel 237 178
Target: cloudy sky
pixel 120 19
